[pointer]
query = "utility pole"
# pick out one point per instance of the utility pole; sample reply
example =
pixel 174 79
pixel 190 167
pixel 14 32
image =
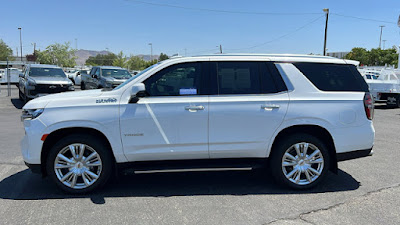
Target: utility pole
pixel 220 49
pixel 20 39
pixel 326 10
pixel 380 37
pixel 151 51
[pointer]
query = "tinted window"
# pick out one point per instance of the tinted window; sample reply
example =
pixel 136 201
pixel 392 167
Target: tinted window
pixel 238 78
pixel 247 78
pixel 115 73
pixel 179 79
pixel 46 72
pixel 333 77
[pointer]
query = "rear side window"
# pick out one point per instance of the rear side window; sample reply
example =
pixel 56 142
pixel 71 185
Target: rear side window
pixel 238 78
pixel 333 77
pixel 235 77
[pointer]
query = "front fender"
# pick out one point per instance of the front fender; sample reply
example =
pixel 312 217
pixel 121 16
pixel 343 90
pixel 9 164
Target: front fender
pixel 113 138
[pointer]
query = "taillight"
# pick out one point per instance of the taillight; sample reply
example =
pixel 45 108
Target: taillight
pixel 369 105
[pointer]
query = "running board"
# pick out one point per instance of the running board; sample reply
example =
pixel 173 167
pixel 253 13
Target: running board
pixel 193 165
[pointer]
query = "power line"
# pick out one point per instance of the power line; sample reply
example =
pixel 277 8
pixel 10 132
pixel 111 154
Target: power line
pixel 280 37
pixel 219 10
pixel 360 18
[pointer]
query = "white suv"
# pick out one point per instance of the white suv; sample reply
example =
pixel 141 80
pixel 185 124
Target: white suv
pixel 296 114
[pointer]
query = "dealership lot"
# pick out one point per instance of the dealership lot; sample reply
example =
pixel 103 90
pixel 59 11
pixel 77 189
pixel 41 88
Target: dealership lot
pixel 366 190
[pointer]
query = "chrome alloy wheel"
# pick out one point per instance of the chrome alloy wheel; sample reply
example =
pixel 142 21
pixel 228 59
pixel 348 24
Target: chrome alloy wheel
pixel 302 163
pixel 78 166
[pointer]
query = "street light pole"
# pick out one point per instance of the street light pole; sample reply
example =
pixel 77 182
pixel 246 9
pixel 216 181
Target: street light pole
pixel 151 51
pixel 326 10
pixel 380 37
pixel 20 40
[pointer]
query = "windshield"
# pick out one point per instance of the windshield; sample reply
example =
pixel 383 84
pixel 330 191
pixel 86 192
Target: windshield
pixel 136 76
pixel 46 72
pixel 84 72
pixel 115 73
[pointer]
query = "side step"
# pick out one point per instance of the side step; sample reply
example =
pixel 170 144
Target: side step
pixel 193 165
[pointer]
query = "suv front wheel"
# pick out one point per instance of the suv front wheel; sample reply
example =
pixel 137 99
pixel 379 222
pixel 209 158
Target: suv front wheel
pixel 299 161
pixel 79 163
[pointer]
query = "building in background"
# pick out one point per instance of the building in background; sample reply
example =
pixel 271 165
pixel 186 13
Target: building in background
pixel 339 55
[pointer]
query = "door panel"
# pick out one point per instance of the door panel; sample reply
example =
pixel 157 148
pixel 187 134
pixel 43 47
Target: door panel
pixel 242 126
pixel 161 128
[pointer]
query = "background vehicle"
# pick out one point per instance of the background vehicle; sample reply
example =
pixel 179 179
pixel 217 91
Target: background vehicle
pixel 14 73
pixel 296 115
pixel 104 77
pixel 38 80
pixel 386 87
pixel 76 77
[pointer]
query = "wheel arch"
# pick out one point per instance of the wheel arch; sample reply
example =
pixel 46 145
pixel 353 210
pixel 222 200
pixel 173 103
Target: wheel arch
pixel 315 130
pixel 56 135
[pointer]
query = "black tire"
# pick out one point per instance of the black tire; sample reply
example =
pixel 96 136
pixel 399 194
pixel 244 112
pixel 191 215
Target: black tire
pixel 20 95
pixel 83 86
pixel 277 155
pixel 99 146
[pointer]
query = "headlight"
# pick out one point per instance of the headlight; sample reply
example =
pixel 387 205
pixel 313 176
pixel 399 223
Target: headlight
pixel 31 114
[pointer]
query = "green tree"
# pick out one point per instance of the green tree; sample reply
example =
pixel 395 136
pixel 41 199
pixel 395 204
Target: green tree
pixel 136 63
pixel 162 57
pixel 120 61
pixel 5 51
pixel 359 54
pixel 58 54
pixel 374 57
pixel 101 60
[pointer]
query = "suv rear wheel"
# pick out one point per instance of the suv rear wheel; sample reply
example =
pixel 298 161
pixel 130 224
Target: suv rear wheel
pixel 299 161
pixel 79 163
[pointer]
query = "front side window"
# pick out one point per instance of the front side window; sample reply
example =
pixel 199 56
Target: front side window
pixel 97 72
pixel 176 80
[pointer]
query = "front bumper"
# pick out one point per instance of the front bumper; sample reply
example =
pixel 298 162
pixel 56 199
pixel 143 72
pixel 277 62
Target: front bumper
pixel 353 154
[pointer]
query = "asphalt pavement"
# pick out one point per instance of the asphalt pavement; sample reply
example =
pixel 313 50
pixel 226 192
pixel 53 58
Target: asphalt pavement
pixel 365 191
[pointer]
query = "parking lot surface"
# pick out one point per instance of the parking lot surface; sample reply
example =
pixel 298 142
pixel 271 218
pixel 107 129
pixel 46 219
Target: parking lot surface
pixel 365 191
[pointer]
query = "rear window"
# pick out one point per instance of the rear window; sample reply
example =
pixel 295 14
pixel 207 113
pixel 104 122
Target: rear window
pixel 333 77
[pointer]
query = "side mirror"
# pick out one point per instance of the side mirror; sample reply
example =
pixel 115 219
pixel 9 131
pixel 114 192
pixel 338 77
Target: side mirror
pixel 78 73
pixel 138 91
pixel 21 75
pixel 95 76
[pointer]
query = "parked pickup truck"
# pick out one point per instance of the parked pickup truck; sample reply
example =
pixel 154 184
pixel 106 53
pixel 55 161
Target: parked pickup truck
pixel 104 77
pixel 386 88
pixel 38 80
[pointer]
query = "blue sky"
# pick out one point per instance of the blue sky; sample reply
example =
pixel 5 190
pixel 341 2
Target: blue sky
pixel 129 25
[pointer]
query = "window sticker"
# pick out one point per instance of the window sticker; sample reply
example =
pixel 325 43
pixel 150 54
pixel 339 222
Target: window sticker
pixel 188 91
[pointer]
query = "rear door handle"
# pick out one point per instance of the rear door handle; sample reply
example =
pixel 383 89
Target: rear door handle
pixel 272 106
pixel 194 108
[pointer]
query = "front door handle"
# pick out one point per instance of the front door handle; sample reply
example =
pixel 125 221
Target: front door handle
pixel 272 106
pixel 194 108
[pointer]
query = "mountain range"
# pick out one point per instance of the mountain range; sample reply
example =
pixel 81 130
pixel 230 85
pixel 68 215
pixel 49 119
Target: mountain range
pixel 82 55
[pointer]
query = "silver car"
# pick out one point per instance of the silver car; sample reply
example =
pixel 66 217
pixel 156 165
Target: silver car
pixel 38 80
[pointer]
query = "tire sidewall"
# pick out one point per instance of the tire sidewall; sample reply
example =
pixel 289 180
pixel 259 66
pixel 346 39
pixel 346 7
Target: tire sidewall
pixel 280 149
pixel 97 145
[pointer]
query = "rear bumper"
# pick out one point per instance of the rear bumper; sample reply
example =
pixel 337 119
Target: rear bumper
pixel 353 154
pixel 35 168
